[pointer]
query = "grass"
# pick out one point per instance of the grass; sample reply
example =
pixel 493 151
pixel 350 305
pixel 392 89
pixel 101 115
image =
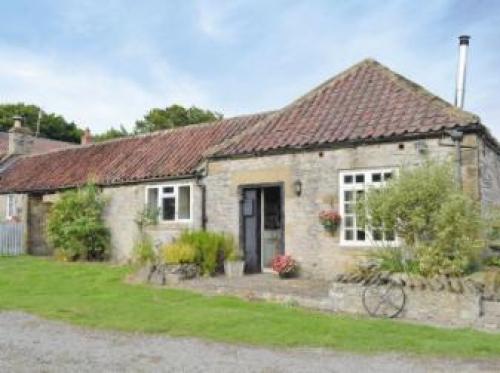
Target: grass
pixel 94 295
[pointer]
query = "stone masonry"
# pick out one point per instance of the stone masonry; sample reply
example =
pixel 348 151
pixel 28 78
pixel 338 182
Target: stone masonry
pixel 319 254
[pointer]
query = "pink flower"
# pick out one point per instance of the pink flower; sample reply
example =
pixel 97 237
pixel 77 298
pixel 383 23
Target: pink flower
pixel 284 264
pixel 330 216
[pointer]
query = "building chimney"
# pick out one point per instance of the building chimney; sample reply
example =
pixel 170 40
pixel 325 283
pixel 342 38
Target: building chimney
pixel 20 139
pixel 86 137
pixel 462 70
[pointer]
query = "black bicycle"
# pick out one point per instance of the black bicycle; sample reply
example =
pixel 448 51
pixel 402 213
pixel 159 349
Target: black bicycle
pixel 384 300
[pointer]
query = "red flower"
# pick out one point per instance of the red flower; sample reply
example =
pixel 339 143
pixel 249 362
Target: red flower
pixel 330 217
pixel 284 264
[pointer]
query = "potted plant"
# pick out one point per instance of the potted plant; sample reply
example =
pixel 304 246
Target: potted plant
pixel 330 219
pixel 285 266
pixel 234 265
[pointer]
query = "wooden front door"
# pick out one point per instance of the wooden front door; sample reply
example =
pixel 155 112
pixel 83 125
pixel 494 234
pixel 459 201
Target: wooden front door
pixel 250 215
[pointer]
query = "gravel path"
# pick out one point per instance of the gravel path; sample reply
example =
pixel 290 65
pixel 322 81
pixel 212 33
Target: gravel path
pixel 31 344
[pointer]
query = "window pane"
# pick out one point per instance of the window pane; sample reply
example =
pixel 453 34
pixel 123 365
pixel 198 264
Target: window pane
pixel 347 179
pixel 360 178
pixel 361 235
pixel 168 190
pixel 377 178
pixel 184 202
pixel 349 221
pixel 377 235
pixel 359 195
pixel 389 235
pixel 387 175
pixel 152 199
pixel 168 208
pixel 349 235
pixel 348 196
pixel 348 208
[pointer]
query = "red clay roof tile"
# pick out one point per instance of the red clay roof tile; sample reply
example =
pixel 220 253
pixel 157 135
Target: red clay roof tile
pixel 367 101
pixel 158 155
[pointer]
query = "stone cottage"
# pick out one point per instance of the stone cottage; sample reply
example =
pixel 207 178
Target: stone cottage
pixel 264 178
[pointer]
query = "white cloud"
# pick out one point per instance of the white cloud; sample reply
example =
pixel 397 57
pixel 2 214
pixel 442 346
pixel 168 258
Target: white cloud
pixel 90 94
pixel 215 19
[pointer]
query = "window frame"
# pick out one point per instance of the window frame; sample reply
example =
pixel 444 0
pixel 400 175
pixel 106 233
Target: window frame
pixel 364 186
pixel 11 208
pixel 175 194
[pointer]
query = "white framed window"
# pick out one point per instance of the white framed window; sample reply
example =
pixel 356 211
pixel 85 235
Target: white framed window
pixel 353 186
pixel 11 208
pixel 173 201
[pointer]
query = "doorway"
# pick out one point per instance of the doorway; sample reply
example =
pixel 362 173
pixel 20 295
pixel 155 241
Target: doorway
pixel 261 225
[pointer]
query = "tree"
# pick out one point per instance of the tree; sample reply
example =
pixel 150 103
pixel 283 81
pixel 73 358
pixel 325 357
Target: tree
pixel 112 133
pixel 174 116
pixel 52 126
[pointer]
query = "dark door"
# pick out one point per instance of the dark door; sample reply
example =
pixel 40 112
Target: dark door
pixel 250 226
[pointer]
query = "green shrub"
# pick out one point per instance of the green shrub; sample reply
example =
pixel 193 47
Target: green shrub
pixel 440 225
pixel 144 251
pixel 75 227
pixel 211 248
pixel 179 253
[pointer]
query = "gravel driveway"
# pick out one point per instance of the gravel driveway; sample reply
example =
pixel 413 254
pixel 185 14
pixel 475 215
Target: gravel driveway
pixel 31 344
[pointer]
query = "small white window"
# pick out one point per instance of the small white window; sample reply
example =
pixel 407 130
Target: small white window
pixel 353 186
pixel 172 201
pixel 11 206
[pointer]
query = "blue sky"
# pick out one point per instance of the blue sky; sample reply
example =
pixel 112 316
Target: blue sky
pixel 104 63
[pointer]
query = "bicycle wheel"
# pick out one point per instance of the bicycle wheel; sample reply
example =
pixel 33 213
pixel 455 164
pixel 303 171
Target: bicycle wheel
pixel 384 300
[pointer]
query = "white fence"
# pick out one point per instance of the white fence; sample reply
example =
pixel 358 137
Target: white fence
pixel 11 239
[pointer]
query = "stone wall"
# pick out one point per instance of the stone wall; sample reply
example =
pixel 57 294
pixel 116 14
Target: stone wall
pixel 435 307
pixel 124 205
pixel 319 254
pixel 490 176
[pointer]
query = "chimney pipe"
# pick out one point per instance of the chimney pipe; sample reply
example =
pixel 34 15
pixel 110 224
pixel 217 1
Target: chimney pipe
pixel 462 70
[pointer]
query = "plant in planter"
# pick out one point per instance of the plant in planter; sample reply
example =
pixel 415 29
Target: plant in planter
pixel 285 266
pixel 234 264
pixel 180 261
pixel 330 219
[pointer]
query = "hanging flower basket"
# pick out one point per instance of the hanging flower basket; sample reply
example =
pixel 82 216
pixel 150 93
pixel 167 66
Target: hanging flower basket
pixel 330 219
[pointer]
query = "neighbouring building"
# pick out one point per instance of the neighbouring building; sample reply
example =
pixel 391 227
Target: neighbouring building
pixel 264 178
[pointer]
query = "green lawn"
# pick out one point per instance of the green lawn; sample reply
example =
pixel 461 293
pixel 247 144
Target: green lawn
pixel 94 295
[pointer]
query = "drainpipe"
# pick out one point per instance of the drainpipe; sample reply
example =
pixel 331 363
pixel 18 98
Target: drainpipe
pixel 203 190
pixel 457 137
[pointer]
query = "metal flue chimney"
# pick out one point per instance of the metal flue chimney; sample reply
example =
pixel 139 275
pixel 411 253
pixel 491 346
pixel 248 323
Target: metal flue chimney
pixel 462 70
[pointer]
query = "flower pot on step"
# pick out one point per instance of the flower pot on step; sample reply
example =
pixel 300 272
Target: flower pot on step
pixel 234 268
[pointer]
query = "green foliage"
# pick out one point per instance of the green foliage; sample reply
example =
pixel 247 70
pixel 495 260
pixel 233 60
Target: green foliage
pixel 174 116
pixel 52 126
pixel 180 253
pixel 440 226
pixel 75 226
pixel 394 260
pixel 112 133
pixel 211 248
pixel 492 261
pixel 144 251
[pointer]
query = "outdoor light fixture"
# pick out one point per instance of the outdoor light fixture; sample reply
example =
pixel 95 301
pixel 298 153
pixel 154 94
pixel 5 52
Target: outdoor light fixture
pixel 297 187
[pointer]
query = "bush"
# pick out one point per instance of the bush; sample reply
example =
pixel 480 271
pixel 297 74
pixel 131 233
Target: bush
pixel 179 253
pixel 75 227
pixel 211 248
pixel 144 251
pixel 440 225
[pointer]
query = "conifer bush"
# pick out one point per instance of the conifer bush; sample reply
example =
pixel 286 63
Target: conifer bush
pixel 75 226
